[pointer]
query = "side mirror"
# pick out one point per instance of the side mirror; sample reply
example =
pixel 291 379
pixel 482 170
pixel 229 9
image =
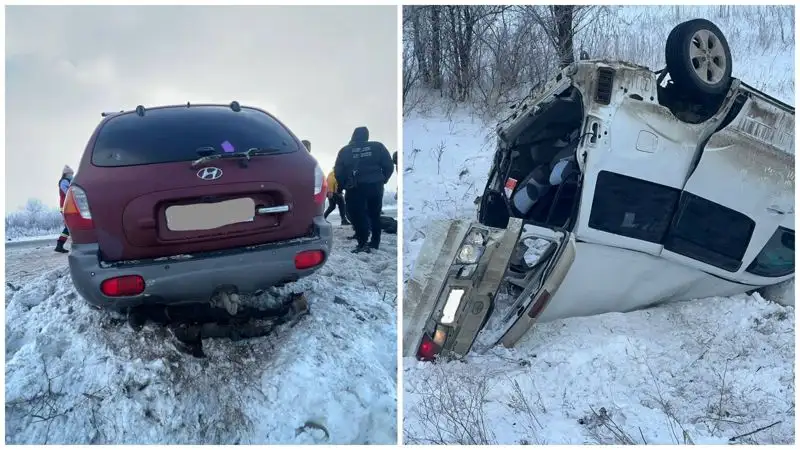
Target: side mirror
pixel 307 143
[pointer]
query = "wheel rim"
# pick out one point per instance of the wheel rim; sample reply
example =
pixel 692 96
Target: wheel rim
pixel 707 57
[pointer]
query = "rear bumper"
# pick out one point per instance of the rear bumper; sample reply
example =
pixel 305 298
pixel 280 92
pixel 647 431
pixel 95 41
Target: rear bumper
pixel 196 278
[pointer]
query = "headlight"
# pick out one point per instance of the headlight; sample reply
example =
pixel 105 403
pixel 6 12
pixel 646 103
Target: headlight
pixel 469 254
pixel 472 249
pixel 451 306
pixel 475 237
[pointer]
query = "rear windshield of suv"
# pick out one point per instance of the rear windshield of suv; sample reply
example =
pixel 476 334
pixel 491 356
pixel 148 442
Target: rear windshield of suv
pixel 177 133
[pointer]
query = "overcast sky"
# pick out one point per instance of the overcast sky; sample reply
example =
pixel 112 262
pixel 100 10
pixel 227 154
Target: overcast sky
pixel 320 70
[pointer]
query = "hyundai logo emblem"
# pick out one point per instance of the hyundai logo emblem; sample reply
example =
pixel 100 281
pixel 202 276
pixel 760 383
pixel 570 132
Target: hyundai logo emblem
pixel 209 173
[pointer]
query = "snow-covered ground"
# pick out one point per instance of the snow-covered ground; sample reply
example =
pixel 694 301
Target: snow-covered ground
pixel 446 162
pixel 702 371
pixel 31 239
pixel 77 375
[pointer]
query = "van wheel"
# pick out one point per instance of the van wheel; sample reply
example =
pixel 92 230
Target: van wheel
pixel 698 58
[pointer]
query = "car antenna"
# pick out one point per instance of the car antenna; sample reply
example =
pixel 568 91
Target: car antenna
pixel 235 106
pixel 140 111
pixel 187 104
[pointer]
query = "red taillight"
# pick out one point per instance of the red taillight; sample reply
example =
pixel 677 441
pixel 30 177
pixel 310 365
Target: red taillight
pixel 126 286
pixel 320 186
pixel 308 259
pixel 427 349
pixel 77 215
pixel 539 304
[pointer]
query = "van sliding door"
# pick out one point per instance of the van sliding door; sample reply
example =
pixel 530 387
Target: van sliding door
pixel 636 165
pixel 740 192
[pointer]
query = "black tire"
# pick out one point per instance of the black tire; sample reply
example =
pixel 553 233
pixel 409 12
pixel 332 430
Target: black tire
pixel 684 69
pixel 671 38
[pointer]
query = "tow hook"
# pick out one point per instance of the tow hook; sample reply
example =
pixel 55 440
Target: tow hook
pixel 228 300
pixel 299 308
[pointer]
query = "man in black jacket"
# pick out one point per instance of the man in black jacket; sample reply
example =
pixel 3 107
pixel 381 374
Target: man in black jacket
pixel 362 168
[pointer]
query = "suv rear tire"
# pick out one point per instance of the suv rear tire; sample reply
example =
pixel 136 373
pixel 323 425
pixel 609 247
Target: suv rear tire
pixel 699 58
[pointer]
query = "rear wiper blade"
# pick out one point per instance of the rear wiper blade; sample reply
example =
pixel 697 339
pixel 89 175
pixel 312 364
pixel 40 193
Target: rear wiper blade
pixel 247 154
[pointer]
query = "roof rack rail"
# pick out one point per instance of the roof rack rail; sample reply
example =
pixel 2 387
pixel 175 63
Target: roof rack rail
pixel 106 114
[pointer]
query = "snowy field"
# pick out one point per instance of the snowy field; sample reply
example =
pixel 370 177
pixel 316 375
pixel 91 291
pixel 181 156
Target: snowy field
pixel 77 375
pixel 703 371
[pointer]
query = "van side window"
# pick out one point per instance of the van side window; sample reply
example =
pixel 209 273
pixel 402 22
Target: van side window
pixel 709 232
pixel 632 207
pixel 776 259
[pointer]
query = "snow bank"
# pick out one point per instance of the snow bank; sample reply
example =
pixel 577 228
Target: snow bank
pixel 702 371
pixel 446 160
pixel 77 375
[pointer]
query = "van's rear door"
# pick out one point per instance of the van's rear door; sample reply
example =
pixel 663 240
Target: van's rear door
pixel 542 258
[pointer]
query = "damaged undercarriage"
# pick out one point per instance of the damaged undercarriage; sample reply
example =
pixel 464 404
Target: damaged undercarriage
pixel 189 324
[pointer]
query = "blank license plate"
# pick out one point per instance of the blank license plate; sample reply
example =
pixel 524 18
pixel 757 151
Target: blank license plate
pixel 207 216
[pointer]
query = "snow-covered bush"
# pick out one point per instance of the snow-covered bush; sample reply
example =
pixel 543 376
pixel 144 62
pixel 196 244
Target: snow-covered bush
pixel 34 219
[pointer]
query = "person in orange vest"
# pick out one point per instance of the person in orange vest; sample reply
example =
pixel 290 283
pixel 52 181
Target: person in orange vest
pixel 63 185
pixel 336 198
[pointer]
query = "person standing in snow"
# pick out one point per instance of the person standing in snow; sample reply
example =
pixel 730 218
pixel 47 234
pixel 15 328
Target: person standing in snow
pixel 394 161
pixel 63 185
pixel 362 168
pixel 336 198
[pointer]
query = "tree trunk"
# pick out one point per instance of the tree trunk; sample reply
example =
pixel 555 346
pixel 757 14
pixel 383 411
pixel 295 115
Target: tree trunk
pixel 563 17
pixel 436 47
pixel 419 46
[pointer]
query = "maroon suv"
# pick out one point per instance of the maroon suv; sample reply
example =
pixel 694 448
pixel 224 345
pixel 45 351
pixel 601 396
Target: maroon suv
pixel 177 204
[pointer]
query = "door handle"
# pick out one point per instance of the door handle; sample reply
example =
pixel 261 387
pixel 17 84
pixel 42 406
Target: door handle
pixel 264 210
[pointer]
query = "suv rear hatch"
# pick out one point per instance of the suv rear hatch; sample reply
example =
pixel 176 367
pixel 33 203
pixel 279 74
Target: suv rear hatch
pixel 148 200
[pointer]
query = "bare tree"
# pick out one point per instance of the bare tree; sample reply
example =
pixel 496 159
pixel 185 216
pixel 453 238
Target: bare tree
pixel 436 47
pixel 561 23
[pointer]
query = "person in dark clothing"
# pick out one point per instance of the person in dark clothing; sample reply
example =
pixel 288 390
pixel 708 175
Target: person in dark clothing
pixel 63 185
pixel 362 168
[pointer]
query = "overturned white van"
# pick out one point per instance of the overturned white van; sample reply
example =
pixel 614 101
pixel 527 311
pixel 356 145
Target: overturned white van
pixel 615 188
